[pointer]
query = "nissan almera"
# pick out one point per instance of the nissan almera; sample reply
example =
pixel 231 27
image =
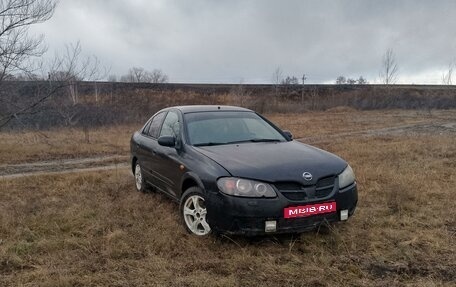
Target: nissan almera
pixel 233 171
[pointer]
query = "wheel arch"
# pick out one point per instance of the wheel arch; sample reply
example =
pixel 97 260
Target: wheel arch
pixel 190 179
pixel 133 164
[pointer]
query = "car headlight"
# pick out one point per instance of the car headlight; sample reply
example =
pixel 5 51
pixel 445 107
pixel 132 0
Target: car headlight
pixel 245 187
pixel 347 177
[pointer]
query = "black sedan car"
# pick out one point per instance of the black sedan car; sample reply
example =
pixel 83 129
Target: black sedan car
pixel 233 171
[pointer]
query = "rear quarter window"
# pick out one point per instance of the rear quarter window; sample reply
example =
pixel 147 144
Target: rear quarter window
pixel 145 129
pixel 155 125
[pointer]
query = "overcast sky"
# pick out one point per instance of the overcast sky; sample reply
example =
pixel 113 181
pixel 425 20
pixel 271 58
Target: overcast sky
pixel 230 41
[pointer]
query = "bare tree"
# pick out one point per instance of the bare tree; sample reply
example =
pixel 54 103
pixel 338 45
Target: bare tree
pixel 351 81
pixel 304 78
pixel 361 81
pixel 389 70
pixel 135 75
pixel 447 77
pixel 63 74
pixel 73 67
pixel 16 46
pixel 277 77
pixel 341 80
pixel 290 81
pixel 158 77
pixel 70 68
pixel 140 75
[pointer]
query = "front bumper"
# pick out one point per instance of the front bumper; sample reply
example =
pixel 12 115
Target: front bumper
pixel 247 216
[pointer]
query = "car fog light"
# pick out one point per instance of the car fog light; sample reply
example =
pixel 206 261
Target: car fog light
pixel 270 226
pixel 344 214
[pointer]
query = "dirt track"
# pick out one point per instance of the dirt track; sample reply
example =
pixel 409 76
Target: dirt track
pixel 438 128
pixel 111 162
pixel 63 166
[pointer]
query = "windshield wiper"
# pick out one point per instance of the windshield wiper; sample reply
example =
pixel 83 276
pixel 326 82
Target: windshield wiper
pixel 209 144
pixel 264 140
pixel 235 142
pixel 255 141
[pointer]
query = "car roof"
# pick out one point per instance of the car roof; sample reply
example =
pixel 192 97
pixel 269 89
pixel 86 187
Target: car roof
pixel 208 108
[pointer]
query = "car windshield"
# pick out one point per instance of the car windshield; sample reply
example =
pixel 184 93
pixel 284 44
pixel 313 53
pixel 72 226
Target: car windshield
pixel 226 127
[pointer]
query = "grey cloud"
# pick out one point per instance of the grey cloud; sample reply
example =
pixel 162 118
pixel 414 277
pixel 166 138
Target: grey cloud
pixel 224 41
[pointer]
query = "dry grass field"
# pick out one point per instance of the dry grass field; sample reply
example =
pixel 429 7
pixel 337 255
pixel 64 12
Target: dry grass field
pixel 18 147
pixel 94 229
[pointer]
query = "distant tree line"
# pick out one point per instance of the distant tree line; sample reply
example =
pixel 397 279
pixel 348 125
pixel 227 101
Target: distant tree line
pixel 341 80
pixel 388 74
pixel 134 75
pixel 290 81
pixel 140 75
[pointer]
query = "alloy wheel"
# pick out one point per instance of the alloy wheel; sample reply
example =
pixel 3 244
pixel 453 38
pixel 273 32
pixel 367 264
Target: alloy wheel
pixel 195 215
pixel 138 177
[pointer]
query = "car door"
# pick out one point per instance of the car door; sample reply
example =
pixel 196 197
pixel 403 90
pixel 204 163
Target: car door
pixel 170 157
pixel 147 151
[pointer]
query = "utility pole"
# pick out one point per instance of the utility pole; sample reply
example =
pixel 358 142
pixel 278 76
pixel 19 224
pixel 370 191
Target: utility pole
pixel 304 78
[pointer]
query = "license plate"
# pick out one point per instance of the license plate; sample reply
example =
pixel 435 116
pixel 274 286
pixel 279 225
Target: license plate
pixel 308 210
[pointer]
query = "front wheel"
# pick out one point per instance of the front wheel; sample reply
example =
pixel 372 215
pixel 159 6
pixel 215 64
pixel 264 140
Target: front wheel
pixel 193 211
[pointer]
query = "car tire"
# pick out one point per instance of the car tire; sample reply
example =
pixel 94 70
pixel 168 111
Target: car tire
pixel 193 212
pixel 140 183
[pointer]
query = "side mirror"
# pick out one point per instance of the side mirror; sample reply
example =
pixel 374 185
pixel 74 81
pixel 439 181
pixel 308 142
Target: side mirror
pixel 168 141
pixel 288 134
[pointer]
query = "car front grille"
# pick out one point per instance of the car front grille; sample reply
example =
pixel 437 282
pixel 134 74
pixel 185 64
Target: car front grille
pixel 298 192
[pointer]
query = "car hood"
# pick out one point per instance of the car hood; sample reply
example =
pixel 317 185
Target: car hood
pixel 277 161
